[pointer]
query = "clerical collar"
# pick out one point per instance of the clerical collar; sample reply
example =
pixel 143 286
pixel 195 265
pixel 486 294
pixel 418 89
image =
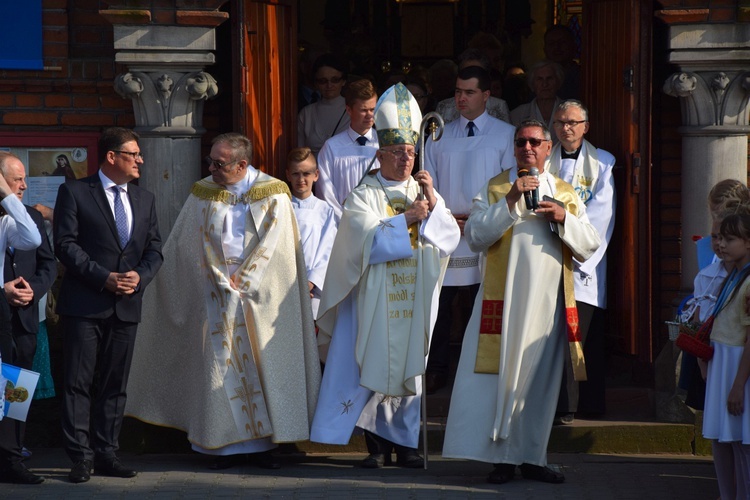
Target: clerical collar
pixel 243 185
pixel 573 155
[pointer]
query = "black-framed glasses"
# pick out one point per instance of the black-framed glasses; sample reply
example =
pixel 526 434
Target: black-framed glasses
pixel 135 154
pixel 569 123
pixel 535 143
pixel 218 164
pixel 401 153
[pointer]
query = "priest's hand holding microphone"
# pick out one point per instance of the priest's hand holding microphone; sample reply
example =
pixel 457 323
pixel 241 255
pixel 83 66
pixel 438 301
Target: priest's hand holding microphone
pixel 527 184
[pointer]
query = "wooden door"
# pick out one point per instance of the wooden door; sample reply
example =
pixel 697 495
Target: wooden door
pixel 616 67
pixel 266 104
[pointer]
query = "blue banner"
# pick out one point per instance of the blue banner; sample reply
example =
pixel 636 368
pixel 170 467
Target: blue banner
pixel 21 36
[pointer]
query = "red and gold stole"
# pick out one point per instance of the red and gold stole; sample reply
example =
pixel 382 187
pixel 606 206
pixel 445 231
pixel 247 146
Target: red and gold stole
pixel 496 267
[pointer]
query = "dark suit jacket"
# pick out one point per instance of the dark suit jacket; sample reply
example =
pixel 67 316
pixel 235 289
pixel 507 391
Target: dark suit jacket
pixel 87 244
pixel 38 267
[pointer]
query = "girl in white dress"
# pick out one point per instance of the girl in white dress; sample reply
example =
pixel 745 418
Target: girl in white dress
pixel 726 418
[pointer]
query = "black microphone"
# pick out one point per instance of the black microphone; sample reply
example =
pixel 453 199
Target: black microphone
pixel 522 172
pixel 534 172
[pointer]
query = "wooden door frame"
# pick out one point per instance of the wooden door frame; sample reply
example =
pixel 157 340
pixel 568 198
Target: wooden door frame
pixel 274 162
pixel 634 217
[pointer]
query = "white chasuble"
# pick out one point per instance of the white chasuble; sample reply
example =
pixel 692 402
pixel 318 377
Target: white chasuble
pixel 377 313
pixel 507 417
pixel 226 350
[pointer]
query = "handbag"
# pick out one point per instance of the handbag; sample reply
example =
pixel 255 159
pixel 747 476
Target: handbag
pixel 696 342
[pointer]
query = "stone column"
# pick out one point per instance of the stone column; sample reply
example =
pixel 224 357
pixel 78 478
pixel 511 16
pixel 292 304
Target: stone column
pixel 168 87
pixel 713 85
pixel 166 81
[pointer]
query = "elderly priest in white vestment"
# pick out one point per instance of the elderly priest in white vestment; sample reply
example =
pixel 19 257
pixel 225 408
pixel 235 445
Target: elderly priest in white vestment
pixel 524 319
pixel 380 300
pixel 227 349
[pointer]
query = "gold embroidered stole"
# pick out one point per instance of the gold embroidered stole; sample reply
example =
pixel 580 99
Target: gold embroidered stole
pixel 495 279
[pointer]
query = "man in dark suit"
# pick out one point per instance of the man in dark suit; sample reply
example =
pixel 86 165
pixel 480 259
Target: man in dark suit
pixel 28 275
pixel 107 236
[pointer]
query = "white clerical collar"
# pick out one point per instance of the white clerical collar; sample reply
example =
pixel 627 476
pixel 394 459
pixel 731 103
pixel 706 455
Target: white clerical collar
pixel 480 122
pixel 243 185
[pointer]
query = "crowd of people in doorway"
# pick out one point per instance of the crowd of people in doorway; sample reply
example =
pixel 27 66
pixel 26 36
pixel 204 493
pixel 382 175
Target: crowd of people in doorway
pixel 323 307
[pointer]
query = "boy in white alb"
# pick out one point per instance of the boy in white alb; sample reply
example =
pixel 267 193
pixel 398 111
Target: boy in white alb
pixel 315 217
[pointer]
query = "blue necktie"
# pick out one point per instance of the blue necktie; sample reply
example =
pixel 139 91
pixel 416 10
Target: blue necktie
pixel 361 140
pixel 470 125
pixel 121 220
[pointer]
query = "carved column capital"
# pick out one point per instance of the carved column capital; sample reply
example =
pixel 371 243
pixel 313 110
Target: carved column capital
pixel 167 100
pixel 710 98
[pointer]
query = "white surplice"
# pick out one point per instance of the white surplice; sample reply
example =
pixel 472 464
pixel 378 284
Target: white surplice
pixel 341 163
pixel 460 166
pixel 507 417
pixel 371 379
pixel 317 231
pixel 596 187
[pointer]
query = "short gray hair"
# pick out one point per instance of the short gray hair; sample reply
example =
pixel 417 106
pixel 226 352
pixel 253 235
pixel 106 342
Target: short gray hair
pixel 241 146
pixel 573 103
pixel 4 157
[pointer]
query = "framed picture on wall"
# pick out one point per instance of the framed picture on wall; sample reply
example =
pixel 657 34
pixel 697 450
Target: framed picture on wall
pixel 50 159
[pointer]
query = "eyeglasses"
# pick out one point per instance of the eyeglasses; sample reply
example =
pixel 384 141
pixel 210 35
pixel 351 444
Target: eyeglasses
pixel 571 123
pixel 333 81
pixel 401 153
pixel 218 164
pixel 134 154
pixel 535 143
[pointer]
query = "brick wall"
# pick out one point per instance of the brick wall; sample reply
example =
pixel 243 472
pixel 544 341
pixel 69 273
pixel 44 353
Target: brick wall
pixel 75 91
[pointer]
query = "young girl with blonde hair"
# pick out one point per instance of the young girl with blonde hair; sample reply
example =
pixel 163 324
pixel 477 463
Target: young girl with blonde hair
pixel 726 418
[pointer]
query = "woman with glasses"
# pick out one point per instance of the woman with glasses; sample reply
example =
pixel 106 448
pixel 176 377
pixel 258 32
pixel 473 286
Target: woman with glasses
pixel 325 118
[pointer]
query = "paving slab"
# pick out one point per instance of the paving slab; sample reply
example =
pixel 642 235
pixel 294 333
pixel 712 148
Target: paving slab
pixel 338 476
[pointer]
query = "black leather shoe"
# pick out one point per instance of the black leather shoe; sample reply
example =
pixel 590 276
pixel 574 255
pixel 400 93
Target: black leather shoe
pixel 264 460
pixel 502 473
pixel 113 468
pixel 222 462
pixel 543 474
pixel 19 474
pixel 410 460
pixel 376 461
pixel 81 472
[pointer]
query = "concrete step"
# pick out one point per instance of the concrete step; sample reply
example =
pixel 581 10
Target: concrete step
pixel 625 430
pixel 612 436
